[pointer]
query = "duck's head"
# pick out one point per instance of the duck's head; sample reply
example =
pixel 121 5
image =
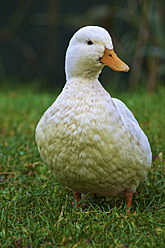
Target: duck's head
pixel 89 50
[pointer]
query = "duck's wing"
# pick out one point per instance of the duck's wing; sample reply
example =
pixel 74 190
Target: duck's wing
pixel 124 111
pixel 133 127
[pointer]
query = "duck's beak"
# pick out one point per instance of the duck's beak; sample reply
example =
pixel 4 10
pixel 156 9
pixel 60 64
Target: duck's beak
pixel 110 59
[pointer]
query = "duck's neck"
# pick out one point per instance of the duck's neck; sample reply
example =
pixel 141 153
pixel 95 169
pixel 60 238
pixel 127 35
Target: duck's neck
pixel 90 75
pixel 78 86
pixel 86 71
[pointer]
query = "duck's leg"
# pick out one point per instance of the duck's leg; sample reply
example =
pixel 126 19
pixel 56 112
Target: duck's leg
pixel 128 197
pixel 78 198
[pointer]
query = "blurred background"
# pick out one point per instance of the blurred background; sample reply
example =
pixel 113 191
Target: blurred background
pixel 34 35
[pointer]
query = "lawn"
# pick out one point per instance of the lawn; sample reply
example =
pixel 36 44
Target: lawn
pixel 37 211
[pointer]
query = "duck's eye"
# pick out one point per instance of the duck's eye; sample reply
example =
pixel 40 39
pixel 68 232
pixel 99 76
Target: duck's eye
pixel 89 42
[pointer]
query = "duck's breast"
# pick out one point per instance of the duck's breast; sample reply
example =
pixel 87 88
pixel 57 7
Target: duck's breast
pixel 82 138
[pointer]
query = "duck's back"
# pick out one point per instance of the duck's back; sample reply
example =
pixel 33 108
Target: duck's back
pixel 86 142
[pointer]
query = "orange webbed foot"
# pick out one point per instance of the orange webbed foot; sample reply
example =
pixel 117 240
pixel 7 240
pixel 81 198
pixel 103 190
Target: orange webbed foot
pixel 78 198
pixel 128 197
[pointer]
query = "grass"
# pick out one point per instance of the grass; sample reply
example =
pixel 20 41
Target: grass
pixel 36 211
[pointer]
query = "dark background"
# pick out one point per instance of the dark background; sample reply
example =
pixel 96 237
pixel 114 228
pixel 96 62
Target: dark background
pixel 34 35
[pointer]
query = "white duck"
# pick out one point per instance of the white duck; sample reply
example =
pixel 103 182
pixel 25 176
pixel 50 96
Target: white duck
pixel 90 141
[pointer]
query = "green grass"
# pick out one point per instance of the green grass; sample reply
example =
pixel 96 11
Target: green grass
pixel 36 211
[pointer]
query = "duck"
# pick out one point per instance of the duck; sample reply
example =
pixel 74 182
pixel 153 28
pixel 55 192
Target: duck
pixel 92 142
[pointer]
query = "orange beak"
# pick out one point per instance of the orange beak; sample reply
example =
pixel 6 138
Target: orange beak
pixel 110 59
